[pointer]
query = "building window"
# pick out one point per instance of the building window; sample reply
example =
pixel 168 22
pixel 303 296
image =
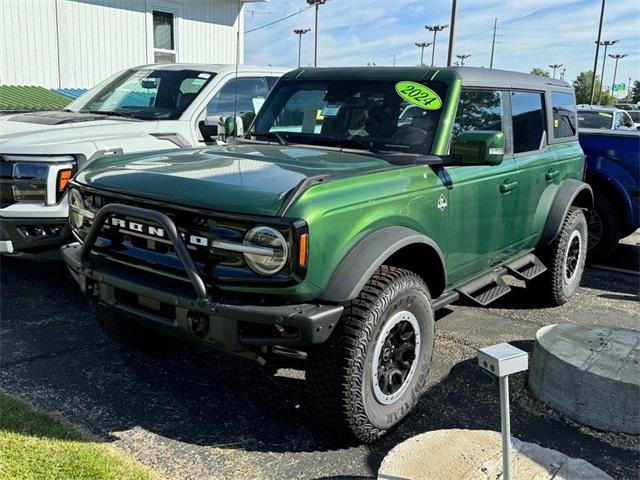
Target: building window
pixel 163 37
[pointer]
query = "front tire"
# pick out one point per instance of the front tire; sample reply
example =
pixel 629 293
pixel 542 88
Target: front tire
pixel 371 372
pixel 565 260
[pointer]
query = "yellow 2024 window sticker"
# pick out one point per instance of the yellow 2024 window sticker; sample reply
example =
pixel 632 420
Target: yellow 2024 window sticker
pixel 419 95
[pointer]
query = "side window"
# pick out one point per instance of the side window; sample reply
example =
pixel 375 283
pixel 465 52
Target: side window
pixel 479 110
pixel 627 121
pixel 244 96
pixel 564 115
pixel 527 110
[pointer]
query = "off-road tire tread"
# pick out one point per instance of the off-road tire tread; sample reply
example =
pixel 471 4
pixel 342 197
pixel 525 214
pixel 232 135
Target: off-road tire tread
pixel 334 369
pixel 550 285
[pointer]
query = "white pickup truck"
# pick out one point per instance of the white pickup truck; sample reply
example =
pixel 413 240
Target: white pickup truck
pixel 152 107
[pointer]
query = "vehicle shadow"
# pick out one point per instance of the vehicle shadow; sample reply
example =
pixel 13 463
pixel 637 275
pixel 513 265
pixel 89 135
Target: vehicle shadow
pixel 54 356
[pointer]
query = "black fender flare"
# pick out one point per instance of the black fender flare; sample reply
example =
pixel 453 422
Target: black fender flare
pixel 571 192
pixel 368 255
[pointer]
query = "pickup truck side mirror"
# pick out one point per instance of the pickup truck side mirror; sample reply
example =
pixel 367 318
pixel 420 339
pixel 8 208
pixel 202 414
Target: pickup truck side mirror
pixel 224 126
pixel 479 148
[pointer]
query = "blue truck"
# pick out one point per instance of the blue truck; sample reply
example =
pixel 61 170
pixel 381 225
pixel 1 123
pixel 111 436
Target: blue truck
pixel 613 171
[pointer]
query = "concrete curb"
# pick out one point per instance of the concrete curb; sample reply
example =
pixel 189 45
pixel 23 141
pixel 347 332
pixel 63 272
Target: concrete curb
pixel 477 455
pixel 591 375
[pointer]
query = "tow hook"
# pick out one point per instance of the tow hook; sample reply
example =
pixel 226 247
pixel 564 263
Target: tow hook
pixel 199 324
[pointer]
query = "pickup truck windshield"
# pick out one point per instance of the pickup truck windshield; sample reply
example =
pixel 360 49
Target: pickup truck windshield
pixel 595 119
pixel 379 116
pixel 145 94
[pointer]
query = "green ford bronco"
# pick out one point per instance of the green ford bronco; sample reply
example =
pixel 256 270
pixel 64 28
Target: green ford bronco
pixel 359 201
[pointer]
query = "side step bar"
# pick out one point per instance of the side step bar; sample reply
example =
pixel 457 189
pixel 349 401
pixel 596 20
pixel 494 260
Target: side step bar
pixel 526 268
pixel 491 286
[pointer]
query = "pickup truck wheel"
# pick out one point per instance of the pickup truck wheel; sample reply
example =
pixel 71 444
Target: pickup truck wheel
pixel 604 227
pixel 371 372
pixel 127 332
pixel 565 259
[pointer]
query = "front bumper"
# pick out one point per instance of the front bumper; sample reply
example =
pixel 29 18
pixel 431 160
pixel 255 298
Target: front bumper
pixel 33 235
pixel 171 305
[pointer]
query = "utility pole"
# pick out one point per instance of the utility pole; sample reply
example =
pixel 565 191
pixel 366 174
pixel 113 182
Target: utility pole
pixel 435 29
pixel 617 57
pixel 606 44
pixel 462 58
pixel 452 31
pixel 493 42
pixel 555 66
pixel 595 60
pixel 629 91
pixel 317 4
pixel 300 32
pixel 422 46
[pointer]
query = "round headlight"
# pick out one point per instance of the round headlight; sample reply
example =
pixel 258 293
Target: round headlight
pixel 76 205
pixel 275 254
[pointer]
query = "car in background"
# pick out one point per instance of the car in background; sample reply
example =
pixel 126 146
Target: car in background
pixel 613 171
pixel 152 107
pixel 604 118
pixel 635 116
pixel 627 106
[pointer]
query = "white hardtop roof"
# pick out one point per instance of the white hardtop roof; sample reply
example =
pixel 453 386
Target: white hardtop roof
pixel 213 67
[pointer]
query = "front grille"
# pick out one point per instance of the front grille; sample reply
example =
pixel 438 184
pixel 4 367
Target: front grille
pixel 215 265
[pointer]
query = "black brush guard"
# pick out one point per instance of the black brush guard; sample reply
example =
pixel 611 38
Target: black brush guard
pixel 167 303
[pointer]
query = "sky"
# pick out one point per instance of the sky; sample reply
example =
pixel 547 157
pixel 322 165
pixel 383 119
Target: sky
pixel 530 33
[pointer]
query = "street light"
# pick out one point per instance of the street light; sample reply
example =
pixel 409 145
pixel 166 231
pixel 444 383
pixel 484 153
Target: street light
pixel 462 58
pixel 606 44
pixel 435 29
pixel 422 46
pixel 555 66
pixel 300 32
pixel 617 57
pixel 317 4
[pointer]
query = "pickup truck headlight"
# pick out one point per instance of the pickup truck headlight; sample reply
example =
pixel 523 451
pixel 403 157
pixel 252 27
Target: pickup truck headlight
pixel 36 178
pixel 272 252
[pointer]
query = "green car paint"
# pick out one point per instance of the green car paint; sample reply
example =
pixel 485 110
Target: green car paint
pixel 479 216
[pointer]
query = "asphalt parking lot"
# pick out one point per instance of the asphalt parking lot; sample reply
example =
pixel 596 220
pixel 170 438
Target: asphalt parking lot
pixel 199 414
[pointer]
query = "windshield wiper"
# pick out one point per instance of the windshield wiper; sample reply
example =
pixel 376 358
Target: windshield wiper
pixel 111 113
pixel 352 141
pixel 275 135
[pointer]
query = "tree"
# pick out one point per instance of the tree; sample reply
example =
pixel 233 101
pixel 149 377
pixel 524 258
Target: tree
pixel 582 86
pixel 635 92
pixel 540 72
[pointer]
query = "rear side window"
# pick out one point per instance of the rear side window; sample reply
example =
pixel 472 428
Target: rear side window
pixel 527 109
pixel 564 115
pixel 479 110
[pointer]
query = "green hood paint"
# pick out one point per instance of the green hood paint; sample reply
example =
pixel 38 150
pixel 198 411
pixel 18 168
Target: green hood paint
pixel 249 179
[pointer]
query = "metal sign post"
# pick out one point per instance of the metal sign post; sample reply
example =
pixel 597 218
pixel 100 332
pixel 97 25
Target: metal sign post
pixel 502 360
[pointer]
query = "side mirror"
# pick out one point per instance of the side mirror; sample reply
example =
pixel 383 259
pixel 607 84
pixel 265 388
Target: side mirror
pixel 233 127
pixel 479 148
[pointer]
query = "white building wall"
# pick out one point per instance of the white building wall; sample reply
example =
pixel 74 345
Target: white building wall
pixel 77 43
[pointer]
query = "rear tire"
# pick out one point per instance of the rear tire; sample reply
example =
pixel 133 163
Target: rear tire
pixel 128 332
pixel 370 374
pixel 604 227
pixel 565 259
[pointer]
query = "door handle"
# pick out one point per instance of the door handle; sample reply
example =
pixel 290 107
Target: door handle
pixel 551 175
pixel 507 186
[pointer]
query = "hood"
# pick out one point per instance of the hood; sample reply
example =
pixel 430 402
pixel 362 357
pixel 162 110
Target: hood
pixel 249 179
pixel 37 133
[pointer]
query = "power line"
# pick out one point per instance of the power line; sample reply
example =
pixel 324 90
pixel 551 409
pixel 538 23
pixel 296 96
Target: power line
pixel 277 21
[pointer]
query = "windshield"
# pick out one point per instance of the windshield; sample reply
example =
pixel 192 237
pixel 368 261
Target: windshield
pixel 380 116
pixel 145 94
pixel 595 119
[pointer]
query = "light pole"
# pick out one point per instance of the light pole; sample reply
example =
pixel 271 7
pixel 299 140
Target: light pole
pixel 452 31
pixel 606 44
pixel 555 66
pixel 617 57
pixel 300 32
pixel 462 58
pixel 562 73
pixel 317 4
pixel 595 60
pixel 435 29
pixel 422 46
